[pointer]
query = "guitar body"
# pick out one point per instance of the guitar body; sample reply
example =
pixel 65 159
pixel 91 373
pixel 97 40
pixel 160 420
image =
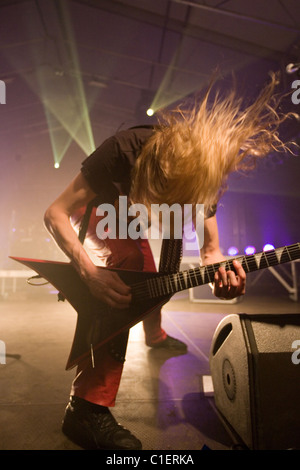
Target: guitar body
pixel 97 323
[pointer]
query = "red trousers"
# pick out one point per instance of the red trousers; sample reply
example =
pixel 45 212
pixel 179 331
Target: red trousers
pixel 100 384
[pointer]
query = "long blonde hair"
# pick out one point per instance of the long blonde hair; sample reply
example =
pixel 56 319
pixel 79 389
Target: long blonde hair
pixel 191 152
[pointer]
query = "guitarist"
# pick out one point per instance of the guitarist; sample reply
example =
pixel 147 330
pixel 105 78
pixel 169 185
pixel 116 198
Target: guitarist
pixel 184 159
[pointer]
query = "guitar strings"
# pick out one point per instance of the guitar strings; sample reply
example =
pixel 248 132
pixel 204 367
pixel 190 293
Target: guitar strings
pixel 164 284
pixel 270 256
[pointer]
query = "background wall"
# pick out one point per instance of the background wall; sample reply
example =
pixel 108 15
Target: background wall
pixel 77 71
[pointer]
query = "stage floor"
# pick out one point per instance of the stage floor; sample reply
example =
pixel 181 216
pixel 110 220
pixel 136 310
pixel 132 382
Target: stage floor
pixel 161 398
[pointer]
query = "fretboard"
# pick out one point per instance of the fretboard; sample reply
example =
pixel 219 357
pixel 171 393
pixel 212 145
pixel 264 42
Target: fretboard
pixel 169 284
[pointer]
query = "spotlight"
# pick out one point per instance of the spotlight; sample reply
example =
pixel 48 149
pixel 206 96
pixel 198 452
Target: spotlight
pixel 268 247
pixel 232 251
pixel 56 165
pixel 292 68
pixel 144 104
pixel 250 250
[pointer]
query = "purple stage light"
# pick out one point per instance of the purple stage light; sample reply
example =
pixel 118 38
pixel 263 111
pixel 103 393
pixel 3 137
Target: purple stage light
pixel 268 247
pixel 250 250
pixel 232 251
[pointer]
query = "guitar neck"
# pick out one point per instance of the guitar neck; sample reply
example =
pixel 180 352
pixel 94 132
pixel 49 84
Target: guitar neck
pixel 169 284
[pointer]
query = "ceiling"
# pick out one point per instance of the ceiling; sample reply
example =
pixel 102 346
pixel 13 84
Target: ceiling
pixel 77 71
pixel 114 55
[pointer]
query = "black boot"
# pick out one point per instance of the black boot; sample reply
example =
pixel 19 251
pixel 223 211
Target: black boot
pixel 93 427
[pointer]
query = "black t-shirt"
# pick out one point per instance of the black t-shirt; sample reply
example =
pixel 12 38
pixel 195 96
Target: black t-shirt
pixel 108 169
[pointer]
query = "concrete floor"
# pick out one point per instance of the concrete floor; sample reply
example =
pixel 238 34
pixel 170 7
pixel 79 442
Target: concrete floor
pixel 161 398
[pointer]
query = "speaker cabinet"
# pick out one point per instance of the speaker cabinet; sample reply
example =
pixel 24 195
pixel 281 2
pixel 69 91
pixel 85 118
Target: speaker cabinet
pixel 256 378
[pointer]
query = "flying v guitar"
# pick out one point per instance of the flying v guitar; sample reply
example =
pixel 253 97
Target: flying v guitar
pixel 97 323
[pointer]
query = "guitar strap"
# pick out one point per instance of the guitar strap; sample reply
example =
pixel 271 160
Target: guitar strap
pixel 85 221
pixel 170 256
